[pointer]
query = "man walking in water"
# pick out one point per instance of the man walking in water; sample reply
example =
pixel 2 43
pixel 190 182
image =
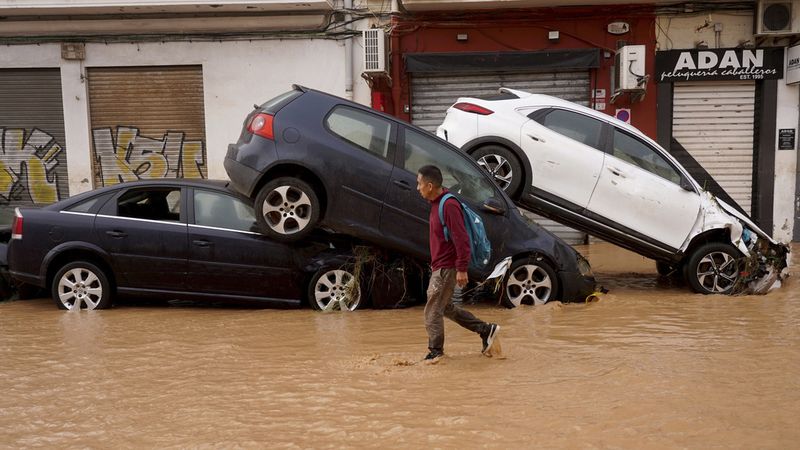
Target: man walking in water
pixel 449 262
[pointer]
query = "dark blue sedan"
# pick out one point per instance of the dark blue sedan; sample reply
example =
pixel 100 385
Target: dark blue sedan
pixel 174 239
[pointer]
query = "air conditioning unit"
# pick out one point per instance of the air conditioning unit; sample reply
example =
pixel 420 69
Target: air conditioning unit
pixel 777 17
pixel 374 50
pixel 629 69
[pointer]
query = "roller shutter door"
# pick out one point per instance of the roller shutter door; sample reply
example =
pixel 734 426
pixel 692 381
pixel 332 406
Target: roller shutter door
pixel 147 122
pixel 714 122
pixel 432 94
pixel 33 156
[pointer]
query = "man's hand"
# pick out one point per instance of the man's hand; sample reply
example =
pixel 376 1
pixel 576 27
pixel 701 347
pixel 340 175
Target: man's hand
pixel 461 279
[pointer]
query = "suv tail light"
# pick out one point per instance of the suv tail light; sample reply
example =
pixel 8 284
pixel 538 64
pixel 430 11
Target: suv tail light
pixel 472 108
pixel 261 124
pixel 16 226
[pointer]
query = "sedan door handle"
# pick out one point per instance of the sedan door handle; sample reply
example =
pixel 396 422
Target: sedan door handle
pixel 536 138
pixel 202 243
pixel 616 172
pixel 402 184
pixel 117 234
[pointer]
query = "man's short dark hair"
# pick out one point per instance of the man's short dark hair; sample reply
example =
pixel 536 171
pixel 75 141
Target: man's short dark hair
pixel 431 174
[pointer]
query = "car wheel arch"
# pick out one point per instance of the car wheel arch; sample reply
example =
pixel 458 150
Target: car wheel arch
pixel 721 235
pixel 296 171
pixel 475 144
pixel 83 253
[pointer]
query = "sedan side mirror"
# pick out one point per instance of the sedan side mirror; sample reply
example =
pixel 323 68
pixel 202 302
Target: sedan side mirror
pixel 494 206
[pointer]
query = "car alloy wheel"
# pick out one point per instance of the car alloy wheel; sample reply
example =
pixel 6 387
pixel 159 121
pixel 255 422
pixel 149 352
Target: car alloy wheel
pixel 530 282
pixel 288 209
pixel 335 289
pixel 81 285
pixel 502 165
pixel 714 269
pixel 499 168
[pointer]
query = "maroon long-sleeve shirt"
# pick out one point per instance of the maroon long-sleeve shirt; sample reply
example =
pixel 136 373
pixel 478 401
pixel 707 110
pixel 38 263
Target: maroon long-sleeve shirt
pixel 456 251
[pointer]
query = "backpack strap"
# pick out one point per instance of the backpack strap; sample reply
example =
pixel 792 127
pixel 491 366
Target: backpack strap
pixel 446 197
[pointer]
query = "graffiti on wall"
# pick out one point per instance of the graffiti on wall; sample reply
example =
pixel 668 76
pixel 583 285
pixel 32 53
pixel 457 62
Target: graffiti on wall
pixel 28 163
pixel 125 155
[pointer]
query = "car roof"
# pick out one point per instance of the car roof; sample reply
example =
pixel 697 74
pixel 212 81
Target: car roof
pixel 183 182
pixel 527 99
pixel 347 102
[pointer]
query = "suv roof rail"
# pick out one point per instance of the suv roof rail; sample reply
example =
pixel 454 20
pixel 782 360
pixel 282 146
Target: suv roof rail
pixel 300 88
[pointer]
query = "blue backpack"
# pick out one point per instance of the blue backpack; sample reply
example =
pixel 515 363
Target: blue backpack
pixel 479 245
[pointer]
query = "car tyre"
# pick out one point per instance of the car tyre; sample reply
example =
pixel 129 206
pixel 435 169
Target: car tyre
pixel 287 209
pixel 335 288
pixel 502 165
pixel 530 281
pixel 713 268
pixel 81 284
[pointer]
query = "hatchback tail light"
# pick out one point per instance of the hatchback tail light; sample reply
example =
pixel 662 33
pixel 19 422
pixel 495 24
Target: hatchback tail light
pixel 16 226
pixel 473 108
pixel 261 124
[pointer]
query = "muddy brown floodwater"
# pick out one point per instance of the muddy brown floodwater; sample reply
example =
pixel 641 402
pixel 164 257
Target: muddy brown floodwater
pixel 650 365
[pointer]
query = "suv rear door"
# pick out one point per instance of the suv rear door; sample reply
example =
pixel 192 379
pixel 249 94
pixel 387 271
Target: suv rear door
pixel 566 154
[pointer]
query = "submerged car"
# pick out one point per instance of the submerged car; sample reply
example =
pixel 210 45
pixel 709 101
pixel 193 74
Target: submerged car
pixel 174 239
pixel 311 159
pixel 598 174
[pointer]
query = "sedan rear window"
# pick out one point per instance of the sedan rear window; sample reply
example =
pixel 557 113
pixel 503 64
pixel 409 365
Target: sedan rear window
pixel 151 204
pixel 85 206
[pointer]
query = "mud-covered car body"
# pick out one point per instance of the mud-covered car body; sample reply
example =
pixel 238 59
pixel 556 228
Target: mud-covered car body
pixel 598 174
pixel 169 239
pixel 362 166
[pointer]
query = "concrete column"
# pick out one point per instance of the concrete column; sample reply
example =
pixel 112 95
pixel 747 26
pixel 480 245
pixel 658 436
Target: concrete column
pixel 788 116
pixel 74 94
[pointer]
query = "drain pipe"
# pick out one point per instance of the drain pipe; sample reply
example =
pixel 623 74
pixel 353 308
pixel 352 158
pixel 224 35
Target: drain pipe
pixel 348 52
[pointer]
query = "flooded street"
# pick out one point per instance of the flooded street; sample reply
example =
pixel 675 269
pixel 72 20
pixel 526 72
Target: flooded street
pixel 650 365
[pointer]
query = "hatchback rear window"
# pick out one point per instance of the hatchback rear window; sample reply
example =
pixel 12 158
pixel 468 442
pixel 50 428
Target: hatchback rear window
pixel 274 105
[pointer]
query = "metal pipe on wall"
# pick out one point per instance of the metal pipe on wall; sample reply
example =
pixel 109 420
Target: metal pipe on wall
pixel 348 52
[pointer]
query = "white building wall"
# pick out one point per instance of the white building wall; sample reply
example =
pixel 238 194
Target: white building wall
pixel 786 163
pixel 236 75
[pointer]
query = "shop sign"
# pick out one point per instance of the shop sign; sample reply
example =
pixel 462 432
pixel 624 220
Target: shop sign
pixel 719 64
pixel 786 138
pixel 793 65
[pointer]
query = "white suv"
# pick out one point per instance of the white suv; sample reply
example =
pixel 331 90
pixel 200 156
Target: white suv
pixel 598 174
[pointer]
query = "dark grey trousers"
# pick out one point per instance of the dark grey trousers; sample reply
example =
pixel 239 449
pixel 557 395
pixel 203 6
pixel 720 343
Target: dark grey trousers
pixel 440 305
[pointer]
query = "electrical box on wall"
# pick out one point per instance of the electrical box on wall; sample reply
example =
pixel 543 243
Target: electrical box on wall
pixel 777 17
pixel 629 68
pixel 374 50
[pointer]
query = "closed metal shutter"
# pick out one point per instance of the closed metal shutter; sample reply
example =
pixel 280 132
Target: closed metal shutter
pixel 432 94
pixel 33 156
pixel 147 122
pixel 714 122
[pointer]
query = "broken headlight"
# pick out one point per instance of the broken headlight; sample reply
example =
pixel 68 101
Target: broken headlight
pixel 584 267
